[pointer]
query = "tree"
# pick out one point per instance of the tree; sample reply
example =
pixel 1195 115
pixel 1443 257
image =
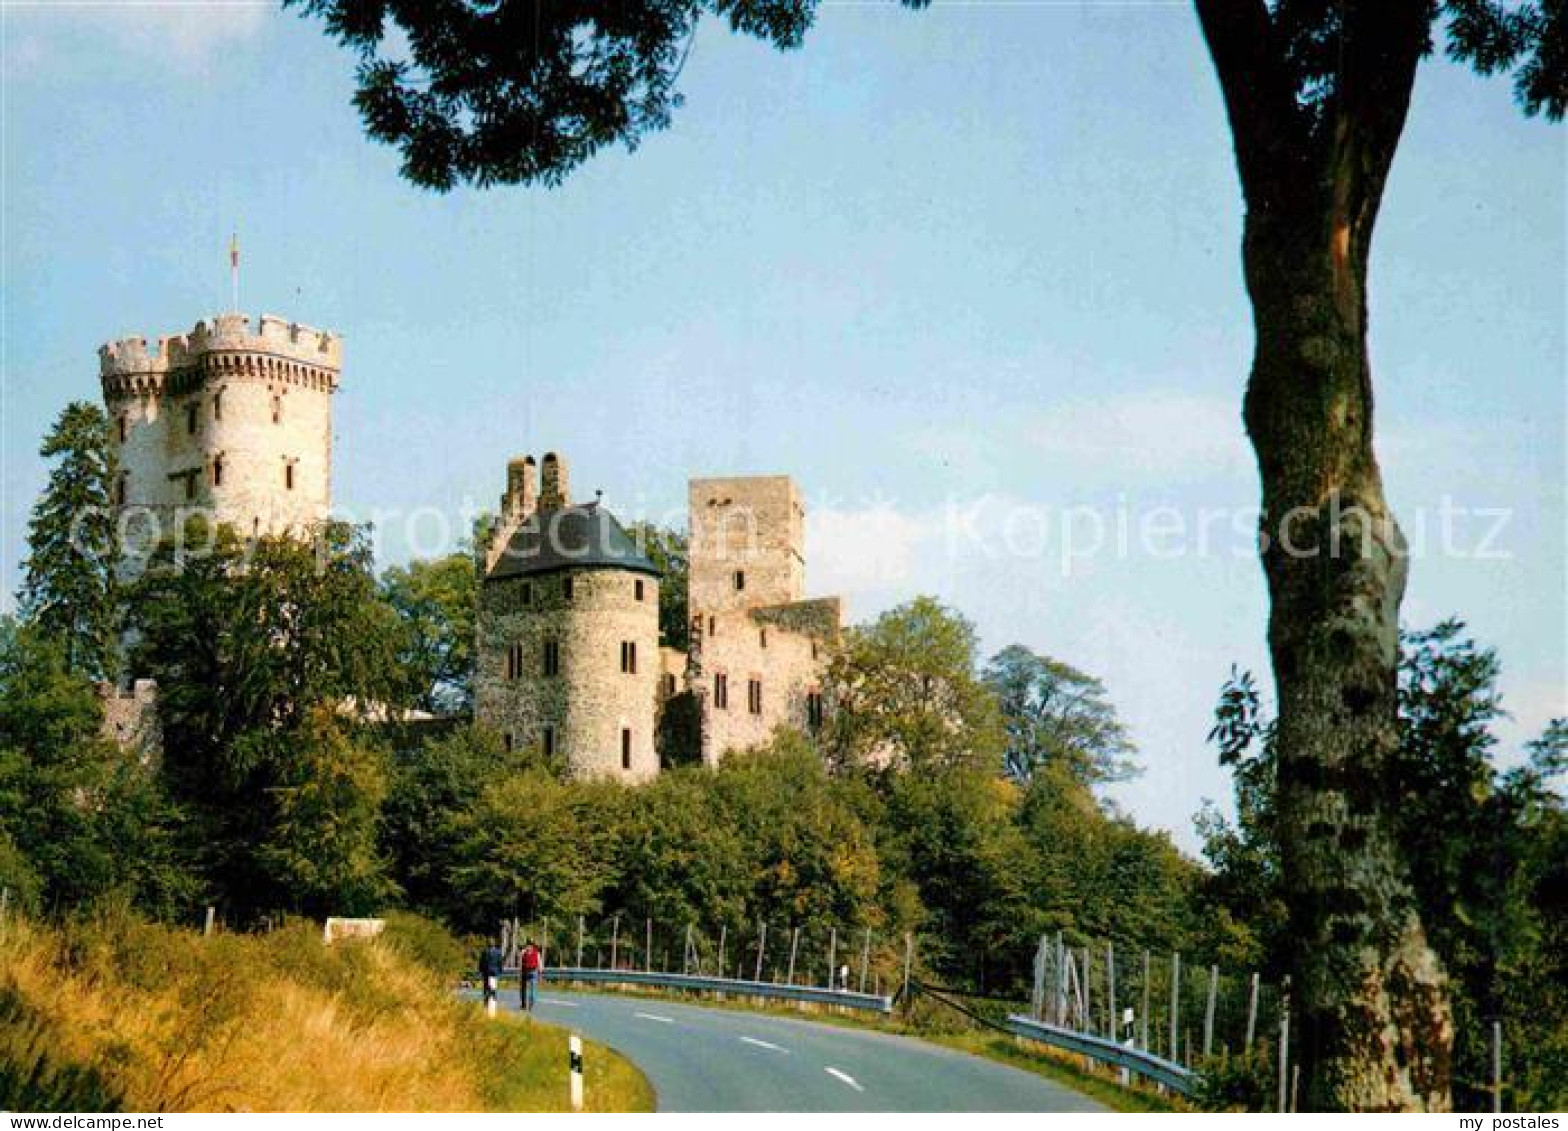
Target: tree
pixel 1477 841
pixel 1056 716
pixel 68 584
pixel 249 644
pixel 79 818
pixel 437 601
pixel 903 693
pixel 1316 94
pixel 668 550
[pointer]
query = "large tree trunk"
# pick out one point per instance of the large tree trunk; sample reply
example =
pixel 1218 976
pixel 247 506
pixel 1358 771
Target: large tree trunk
pixel 1313 149
pixel 1370 994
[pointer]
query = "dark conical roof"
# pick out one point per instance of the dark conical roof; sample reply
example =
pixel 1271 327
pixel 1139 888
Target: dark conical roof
pixel 574 537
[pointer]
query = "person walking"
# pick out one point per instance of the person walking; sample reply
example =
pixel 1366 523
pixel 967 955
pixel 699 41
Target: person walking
pixel 490 962
pixel 530 970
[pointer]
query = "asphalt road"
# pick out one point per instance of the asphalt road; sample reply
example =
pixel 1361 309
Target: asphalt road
pixel 700 1059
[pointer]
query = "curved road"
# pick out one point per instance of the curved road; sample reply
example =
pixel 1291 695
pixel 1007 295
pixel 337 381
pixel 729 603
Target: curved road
pixel 701 1059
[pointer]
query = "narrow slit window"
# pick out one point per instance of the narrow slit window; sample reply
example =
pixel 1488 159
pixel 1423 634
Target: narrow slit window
pixel 547 741
pixel 721 691
pixel 740 580
pixel 639 590
pixel 626 748
pixel 190 420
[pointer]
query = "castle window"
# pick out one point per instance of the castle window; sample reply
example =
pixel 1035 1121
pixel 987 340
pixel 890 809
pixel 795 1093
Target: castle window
pixel 190 419
pixel 514 662
pixel 528 593
pixel 638 587
pixel 547 742
pixel 721 691
pixel 506 741
pixel 762 635
pixel 626 749
pixel 288 476
pixel 713 626
pixel 814 710
pixel 217 471
pixel 217 406
pixel 629 657
pixel 190 485
pixel 754 696
pixel 740 580
pixel 277 409
pixel 669 686
pixel 552 657
pixel 813 649
pixel 566 588
pixel 119 423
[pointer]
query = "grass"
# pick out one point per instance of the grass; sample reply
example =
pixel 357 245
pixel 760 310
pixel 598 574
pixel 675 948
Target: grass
pixel 1064 1068
pixel 110 1012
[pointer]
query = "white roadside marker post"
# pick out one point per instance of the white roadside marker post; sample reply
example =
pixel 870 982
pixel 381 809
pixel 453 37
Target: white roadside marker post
pixel 575 1066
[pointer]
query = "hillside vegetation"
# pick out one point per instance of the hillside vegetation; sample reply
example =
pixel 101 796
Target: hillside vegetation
pixel 111 1012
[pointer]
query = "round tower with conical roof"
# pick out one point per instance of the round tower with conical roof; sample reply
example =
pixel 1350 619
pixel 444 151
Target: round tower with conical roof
pixel 568 632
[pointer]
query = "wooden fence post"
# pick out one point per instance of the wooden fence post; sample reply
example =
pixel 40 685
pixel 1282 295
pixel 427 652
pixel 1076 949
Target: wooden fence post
pixel 833 957
pixel 579 941
pixel 647 954
pixel 207 927
pixel 1143 1020
pixel 794 942
pixel 1175 1005
pixel 615 941
pixel 909 957
pixel 1497 1064
pixel 1252 1013
pixel 762 945
pixel 1110 993
pixel 865 960
pixel 724 930
pixel 1284 1041
pixel 1208 1013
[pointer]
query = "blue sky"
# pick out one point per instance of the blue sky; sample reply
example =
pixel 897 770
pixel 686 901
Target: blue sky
pixel 970 275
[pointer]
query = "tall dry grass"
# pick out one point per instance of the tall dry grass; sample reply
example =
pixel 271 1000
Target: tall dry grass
pixel 114 1012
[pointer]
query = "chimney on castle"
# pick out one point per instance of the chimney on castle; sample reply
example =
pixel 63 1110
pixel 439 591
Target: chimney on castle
pixel 522 490
pixel 554 488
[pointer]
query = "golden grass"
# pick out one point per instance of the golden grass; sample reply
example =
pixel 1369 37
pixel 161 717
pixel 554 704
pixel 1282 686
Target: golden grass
pixel 114 1012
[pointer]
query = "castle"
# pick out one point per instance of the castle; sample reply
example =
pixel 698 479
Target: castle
pixel 226 421
pixel 236 423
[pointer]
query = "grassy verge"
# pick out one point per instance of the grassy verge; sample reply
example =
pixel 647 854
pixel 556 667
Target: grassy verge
pixel 1064 1068
pixel 114 1013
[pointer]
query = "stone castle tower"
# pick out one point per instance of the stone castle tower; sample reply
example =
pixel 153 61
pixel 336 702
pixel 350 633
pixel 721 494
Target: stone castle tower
pixel 568 657
pixel 569 660
pixel 227 420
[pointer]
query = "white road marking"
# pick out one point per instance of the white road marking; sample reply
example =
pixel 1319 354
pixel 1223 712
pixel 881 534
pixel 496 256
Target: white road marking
pixel 559 1001
pixel 844 1077
pixel 766 1045
pixel 656 1017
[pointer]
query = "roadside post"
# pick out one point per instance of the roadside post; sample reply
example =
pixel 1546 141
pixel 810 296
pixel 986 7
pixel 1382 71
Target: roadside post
pixel 574 1063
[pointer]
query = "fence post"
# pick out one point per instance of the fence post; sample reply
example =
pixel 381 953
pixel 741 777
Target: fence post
pixel 1143 1021
pixel 1284 1040
pixel 909 957
pixel 1061 980
pixel 1037 997
pixel 1208 1013
pixel 615 941
pixel 1110 993
pixel 1497 1064
pixel 1175 1005
pixel 865 960
pixel 544 941
pixel 574 1063
pixel 686 952
pixel 762 945
pixel 1087 982
pixel 833 957
pixel 1252 1013
pixel 724 930
pixel 208 925
pixel 794 941
pixel 647 954
pixel 579 942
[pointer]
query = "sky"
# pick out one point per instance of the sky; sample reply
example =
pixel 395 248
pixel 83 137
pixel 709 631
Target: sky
pixel 970 275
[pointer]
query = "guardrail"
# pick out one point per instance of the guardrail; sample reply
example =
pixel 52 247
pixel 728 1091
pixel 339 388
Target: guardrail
pixel 1176 1077
pixel 700 983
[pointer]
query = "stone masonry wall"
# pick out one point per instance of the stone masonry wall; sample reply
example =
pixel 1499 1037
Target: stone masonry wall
pixel 743 645
pixel 591 701
pixel 751 524
pixel 230 410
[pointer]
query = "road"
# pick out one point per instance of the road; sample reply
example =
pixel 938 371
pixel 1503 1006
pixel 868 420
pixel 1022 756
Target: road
pixel 700 1059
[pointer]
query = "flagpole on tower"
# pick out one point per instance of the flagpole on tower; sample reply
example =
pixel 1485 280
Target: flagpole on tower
pixel 234 270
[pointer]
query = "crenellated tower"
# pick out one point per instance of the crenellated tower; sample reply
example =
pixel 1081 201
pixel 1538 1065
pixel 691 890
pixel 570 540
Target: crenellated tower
pixel 230 420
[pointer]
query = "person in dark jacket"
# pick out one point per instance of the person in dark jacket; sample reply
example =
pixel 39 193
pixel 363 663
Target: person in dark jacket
pixel 490 962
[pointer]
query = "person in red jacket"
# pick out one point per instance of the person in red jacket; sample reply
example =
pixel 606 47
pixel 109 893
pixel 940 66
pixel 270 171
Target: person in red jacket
pixel 530 968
